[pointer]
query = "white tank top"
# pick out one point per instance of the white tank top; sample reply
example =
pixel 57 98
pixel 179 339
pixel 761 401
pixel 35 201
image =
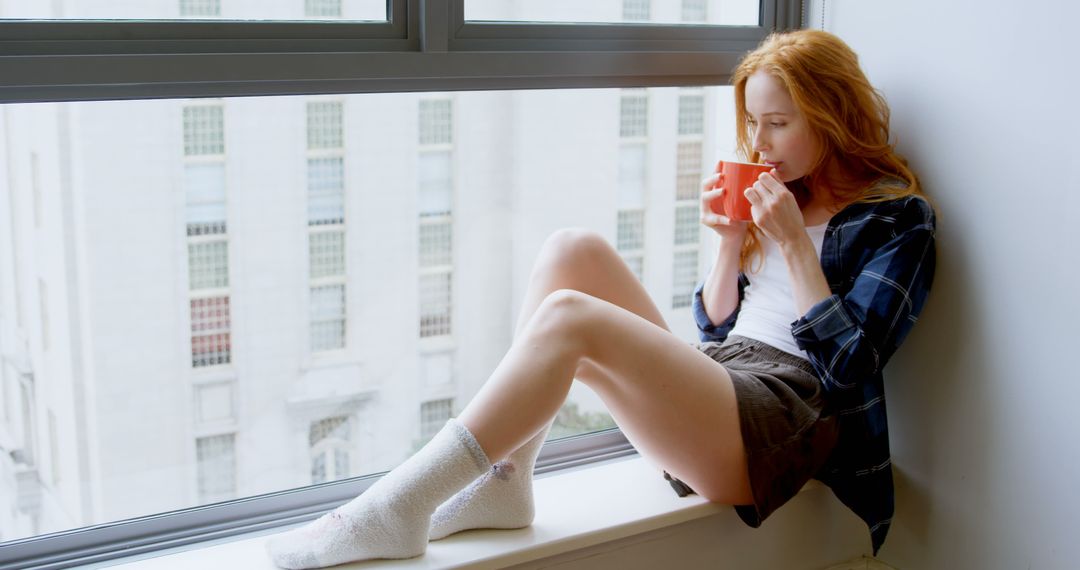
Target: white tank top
pixel 768 306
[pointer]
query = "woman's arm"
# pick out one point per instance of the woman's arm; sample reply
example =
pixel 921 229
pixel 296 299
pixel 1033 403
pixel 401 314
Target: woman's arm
pixel 777 213
pixel 851 337
pixel 720 295
pixel 716 302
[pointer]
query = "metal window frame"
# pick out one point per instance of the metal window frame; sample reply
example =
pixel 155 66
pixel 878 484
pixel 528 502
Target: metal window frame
pixel 426 45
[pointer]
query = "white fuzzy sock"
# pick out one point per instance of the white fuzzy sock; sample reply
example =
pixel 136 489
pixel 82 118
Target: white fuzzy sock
pixel 501 498
pixel 391 519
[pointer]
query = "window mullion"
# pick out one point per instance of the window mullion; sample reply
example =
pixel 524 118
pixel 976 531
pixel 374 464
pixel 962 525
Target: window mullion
pixel 434 25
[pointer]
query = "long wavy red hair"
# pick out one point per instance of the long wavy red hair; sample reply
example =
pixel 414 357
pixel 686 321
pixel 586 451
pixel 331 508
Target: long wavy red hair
pixel 846 115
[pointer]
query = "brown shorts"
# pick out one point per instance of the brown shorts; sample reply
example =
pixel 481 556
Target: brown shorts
pixel 787 430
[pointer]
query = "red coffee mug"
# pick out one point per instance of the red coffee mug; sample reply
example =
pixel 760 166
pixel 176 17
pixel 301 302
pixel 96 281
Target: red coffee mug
pixel 737 177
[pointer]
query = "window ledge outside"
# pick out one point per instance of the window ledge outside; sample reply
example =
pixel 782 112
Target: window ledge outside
pixel 575 509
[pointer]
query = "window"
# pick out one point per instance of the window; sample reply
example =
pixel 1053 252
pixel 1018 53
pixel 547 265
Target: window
pixel 322 8
pixel 208 266
pixel 633 178
pixel 327 245
pixel 216 460
pixel 694 11
pixel 204 131
pixel 433 415
pixel 207 243
pixel 331 451
pixel 200 7
pixel 327 317
pixel 210 342
pixel 684 277
pixel 285 10
pixel 227 202
pixel 726 13
pixel 689 170
pixel 436 221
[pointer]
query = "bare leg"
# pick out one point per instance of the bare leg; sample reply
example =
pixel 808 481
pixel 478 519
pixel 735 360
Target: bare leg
pixel 675 404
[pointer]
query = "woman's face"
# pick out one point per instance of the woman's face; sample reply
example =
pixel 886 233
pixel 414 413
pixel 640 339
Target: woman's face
pixel 780 132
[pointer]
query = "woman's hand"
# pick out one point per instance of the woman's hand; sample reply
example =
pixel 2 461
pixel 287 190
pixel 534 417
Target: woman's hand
pixel 727 228
pixel 775 210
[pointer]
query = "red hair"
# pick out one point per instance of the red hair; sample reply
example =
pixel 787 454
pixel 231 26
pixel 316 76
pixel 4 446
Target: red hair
pixel 845 114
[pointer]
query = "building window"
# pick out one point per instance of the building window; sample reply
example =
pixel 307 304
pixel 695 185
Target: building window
pixel 689 170
pixel 208 257
pixel 330 449
pixel 433 415
pixel 692 114
pixel 208 264
pixel 324 125
pixel 687 225
pixel 200 7
pixel 327 317
pixel 322 8
pixel 436 122
pixel 204 130
pixel 436 245
pixel 216 457
pixel 210 342
pixel 684 278
pixel 327 244
pixel 693 11
pixel 635 10
pixel 633 113
pixel 435 304
pixel 326 190
pixel 326 253
pixel 632 179
pixel 204 187
pixel 436 221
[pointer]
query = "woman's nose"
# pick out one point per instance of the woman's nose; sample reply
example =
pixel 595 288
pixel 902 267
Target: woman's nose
pixel 758 140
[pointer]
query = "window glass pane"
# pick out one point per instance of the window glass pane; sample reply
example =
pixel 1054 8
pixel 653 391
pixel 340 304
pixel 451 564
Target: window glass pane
pixel 714 12
pixel 684 278
pixel 360 10
pixel 204 189
pixel 436 183
pixel 436 246
pixel 327 254
pixel 435 122
pixel 326 190
pixel 435 304
pixel 688 170
pixel 324 125
pixel 208 264
pixel 433 416
pixel 631 230
pixel 632 172
pixel 216 457
pixel 687 226
pixel 204 131
pixel 413 298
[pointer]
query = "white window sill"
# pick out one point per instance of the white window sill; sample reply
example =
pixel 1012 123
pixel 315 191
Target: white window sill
pixel 574 510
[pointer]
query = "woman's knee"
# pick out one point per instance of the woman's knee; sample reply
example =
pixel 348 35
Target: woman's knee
pixel 574 246
pixel 564 314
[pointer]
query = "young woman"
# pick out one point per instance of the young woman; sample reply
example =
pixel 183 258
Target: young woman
pixel 800 313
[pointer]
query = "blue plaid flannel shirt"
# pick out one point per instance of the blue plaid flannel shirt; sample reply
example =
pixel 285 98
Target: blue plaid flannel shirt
pixel 879 261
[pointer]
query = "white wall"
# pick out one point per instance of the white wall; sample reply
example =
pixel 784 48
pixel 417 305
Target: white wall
pixel 981 398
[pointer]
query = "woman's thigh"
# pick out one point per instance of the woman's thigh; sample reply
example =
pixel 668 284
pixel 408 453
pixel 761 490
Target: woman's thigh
pixel 582 260
pixel 674 403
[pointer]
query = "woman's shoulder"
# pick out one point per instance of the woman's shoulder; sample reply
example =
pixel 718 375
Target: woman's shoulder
pixel 890 199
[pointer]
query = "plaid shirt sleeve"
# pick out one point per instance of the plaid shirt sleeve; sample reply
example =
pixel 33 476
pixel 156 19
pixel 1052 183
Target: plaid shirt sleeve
pixel 707 331
pixel 851 336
